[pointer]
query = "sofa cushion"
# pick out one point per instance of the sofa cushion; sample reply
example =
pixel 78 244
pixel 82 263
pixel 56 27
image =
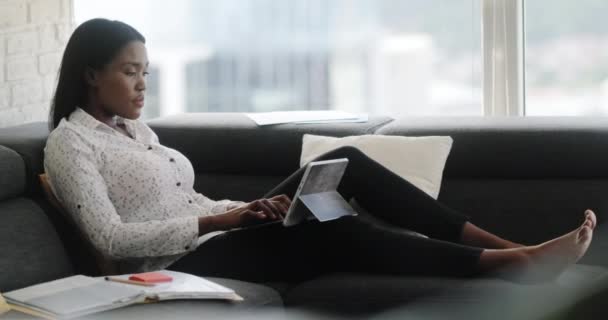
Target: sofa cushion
pixel 500 300
pixel 31 250
pixel 29 141
pixel 364 294
pixel 232 143
pixel 12 174
pixel 420 160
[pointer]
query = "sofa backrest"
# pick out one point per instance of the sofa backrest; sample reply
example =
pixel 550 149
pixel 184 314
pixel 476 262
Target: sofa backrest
pixel 12 174
pixel 234 157
pixel 28 140
pixel 31 251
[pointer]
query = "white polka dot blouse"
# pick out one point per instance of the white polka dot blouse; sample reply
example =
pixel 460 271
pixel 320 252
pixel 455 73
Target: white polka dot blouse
pixel 131 196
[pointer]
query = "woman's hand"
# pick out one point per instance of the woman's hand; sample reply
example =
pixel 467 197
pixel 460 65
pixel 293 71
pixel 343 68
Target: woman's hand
pixel 254 212
pixel 274 208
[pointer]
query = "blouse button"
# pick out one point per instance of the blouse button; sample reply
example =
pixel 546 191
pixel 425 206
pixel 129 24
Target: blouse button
pixel 172 160
pixel 149 147
pixel 78 206
pixel 187 247
pixel 189 201
pixel 178 184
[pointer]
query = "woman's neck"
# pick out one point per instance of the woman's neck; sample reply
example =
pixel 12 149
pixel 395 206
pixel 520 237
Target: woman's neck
pixel 99 113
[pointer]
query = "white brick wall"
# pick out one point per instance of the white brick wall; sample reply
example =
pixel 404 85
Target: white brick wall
pixel 20 68
pixel 2 63
pixel 33 34
pixel 4 96
pixel 42 10
pixel 13 13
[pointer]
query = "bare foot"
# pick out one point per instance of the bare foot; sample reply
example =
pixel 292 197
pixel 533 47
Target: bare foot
pixel 553 257
pixel 543 262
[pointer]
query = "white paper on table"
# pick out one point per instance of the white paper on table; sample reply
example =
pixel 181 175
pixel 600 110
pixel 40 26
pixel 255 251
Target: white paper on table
pixel 276 117
pixel 361 118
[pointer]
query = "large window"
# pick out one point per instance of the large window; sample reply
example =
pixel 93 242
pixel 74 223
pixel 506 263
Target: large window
pixel 566 57
pixel 396 57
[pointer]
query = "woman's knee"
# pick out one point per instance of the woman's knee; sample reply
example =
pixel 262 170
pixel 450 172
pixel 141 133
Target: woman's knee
pixel 349 152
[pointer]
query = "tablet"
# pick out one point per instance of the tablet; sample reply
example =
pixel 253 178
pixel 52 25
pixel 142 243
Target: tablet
pixel 317 196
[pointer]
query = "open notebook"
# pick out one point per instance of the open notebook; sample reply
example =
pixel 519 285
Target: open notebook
pixel 80 295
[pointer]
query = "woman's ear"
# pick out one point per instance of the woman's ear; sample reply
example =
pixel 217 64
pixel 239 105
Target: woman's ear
pixel 90 76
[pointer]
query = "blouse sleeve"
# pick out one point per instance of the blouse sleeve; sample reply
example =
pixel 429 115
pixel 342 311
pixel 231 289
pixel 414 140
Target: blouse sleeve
pixel 70 163
pixel 211 207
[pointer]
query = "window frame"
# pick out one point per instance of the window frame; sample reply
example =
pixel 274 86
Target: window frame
pixel 503 46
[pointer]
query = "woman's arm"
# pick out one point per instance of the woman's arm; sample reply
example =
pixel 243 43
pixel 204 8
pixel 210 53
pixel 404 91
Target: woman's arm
pixel 248 214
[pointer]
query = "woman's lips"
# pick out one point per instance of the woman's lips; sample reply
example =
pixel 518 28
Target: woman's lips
pixel 139 102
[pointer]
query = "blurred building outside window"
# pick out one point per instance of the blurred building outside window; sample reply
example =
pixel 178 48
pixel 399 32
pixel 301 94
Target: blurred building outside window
pixel 566 57
pixel 391 57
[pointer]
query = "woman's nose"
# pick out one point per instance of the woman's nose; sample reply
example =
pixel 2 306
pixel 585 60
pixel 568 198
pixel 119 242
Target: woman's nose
pixel 141 84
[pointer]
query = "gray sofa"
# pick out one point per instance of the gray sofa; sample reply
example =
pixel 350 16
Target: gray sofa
pixel 526 179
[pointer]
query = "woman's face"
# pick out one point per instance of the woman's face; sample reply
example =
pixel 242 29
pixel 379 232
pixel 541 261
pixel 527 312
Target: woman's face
pixel 120 86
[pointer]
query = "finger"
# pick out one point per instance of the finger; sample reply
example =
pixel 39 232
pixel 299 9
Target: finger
pixel 287 201
pixel 590 215
pixel 285 207
pixel 256 214
pixel 282 207
pixel 276 212
pixel 261 205
pixel 283 198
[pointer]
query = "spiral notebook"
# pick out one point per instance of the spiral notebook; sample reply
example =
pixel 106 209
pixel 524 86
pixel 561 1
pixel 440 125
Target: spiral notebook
pixel 80 295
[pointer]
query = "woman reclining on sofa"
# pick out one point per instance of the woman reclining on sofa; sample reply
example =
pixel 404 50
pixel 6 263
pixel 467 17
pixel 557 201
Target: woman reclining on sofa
pixel 134 198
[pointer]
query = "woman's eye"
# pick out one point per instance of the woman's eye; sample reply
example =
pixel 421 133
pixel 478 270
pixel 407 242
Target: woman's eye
pixel 130 73
pixel 146 73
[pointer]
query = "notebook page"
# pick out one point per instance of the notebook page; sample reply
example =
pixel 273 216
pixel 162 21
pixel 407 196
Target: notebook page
pixel 98 296
pixel 49 288
pixel 186 286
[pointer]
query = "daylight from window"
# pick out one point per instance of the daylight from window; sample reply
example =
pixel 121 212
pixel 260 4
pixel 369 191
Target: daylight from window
pixel 566 57
pixel 394 57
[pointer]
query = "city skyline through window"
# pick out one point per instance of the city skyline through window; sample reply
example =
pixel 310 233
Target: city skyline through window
pixel 392 57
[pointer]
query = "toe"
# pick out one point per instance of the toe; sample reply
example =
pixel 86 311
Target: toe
pixel 590 216
pixel 588 223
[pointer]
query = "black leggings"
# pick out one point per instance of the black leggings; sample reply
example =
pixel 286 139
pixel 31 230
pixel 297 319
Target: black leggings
pixel 271 252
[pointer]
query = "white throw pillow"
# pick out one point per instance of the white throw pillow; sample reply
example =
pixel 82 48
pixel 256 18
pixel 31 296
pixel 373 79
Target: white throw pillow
pixel 419 160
